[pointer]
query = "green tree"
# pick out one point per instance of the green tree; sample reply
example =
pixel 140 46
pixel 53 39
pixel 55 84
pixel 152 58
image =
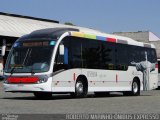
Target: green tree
pixel 69 23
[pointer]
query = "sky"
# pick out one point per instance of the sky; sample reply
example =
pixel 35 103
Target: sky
pixel 106 15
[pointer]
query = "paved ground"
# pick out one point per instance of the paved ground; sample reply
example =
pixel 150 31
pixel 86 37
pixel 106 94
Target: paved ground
pixel 148 102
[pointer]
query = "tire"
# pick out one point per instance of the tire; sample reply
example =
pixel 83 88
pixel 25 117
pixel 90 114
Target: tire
pixel 135 89
pixel 101 94
pixel 81 89
pixel 43 95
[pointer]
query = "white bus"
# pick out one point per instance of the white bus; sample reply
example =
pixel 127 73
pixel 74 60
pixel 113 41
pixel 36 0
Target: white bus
pixel 158 73
pixel 67 60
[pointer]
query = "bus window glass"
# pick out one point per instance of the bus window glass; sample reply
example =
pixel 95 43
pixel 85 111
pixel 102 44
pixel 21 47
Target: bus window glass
pixel 108 55
pixel 27 58
pixel 121 57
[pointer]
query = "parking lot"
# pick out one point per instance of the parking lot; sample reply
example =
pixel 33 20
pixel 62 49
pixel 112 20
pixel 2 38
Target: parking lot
pixel 148 102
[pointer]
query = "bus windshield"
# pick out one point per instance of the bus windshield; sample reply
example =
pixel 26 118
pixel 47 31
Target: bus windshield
pixel 30 57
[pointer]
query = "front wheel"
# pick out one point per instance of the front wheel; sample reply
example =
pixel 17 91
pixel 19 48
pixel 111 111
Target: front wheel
pixel 80 89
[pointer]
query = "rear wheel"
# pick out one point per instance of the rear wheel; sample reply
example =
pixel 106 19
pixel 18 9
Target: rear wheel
pixel 135 89
pixel 43 95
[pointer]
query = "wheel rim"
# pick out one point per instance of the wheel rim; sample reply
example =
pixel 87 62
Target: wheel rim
pixel 135 87
pixel 79 87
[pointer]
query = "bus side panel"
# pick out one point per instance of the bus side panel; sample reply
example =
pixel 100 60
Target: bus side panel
pixel 111 80
pixel 98 80
pixel 65 81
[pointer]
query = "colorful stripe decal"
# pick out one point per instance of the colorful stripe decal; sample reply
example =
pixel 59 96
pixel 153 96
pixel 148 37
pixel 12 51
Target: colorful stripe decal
pixel 122 41
pixel 107 39
pixel 77 34
pixel 89 36
pixel 111 40
pixel 94 37
pixel 101 38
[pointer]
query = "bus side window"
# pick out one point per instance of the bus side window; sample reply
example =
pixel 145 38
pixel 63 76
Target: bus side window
pixel 61 61
pixel 121 57
pixel 66 55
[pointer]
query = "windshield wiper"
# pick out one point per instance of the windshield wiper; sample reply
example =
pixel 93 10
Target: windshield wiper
pixel 25 57
pixel 28 54
pixel 32 72
pixel 12 70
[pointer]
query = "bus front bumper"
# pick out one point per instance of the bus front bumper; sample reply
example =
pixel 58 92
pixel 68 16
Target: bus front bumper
pixel 43 87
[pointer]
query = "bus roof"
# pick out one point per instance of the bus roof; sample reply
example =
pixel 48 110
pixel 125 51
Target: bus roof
pixel 55 33
pixel 118 39
pixel 50 33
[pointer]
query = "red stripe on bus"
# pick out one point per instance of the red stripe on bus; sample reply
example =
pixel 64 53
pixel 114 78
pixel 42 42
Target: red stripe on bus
pixel 156 65
pixel 116 78
pixel 111 40
pixel 74 76
pixel 23 79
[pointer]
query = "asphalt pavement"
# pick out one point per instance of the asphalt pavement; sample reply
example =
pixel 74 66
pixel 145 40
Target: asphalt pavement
pixel 19 103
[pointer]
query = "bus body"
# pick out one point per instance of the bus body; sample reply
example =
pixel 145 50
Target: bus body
pixel 159 73
pixel 67 60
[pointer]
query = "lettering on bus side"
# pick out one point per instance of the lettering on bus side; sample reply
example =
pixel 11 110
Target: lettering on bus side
pixel 91 74
pixel 102 75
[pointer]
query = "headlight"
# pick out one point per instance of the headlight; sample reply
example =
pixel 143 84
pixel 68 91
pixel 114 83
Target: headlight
pixel 5 80
pixel 42 79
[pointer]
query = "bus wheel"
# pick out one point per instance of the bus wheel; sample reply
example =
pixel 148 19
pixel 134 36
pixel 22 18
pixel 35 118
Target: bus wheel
pixel 135 88
pixel 80 89
pixel 43 95
pixel 101 94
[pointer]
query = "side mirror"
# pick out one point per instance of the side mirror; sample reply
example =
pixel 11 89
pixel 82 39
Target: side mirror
pixel 3 50
pixel 61 49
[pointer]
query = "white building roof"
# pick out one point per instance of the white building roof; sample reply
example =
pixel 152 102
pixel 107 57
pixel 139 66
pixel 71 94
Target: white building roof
pixel 17 25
